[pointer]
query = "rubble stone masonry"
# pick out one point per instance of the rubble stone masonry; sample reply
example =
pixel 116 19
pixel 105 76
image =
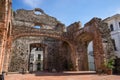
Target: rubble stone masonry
pixel 65 47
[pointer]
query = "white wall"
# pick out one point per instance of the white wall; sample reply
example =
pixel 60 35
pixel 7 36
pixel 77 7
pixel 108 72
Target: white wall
pixel 115 34
pixel 34 61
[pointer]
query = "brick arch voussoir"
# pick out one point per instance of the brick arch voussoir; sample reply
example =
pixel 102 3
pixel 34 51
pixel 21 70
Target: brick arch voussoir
pixel 55 36
pixel 86 33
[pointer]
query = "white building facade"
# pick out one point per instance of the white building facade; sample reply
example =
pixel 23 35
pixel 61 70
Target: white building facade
pixel 36 60
pixel 114 25
pixel 91 62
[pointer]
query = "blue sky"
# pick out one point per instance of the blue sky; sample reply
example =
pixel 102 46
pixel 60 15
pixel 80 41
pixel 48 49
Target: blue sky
pixel 69 11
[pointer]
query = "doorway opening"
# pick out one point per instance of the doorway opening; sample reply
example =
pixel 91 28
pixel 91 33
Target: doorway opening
pixel 91 63
pixel 36 57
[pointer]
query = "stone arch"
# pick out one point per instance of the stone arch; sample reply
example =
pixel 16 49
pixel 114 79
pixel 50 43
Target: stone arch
pixel 38 34
pixel 54 37
pixel 39 10
pixel 99 32
pixel 42 48
pixel 37 27
pixel 65 61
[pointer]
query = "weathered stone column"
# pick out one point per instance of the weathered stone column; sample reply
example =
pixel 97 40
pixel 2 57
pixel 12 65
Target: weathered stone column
pixel 2 31
pixel 3 47
pixel 74 57
pixel 45 62
pixel 79 57
pixel 2 54
pixel 82 57
pixel 5 18
pixel 98 51
pixel 85 57
pixel 7 55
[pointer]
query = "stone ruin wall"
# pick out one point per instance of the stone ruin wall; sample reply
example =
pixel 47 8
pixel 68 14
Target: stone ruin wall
pixel 24 20
pixel 106 40
pixel 28 18
pixel 57 53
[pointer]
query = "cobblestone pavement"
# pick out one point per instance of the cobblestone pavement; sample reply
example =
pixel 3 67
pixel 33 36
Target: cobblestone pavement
pixel 60 76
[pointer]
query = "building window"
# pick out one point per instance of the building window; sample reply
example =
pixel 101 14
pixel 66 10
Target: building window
pixel 39 49
pixel 111 27
pixel 114 45
pixel 39 57
pixel 32 57
pixel 119 24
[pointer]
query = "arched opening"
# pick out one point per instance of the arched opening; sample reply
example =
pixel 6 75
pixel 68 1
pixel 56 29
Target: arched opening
pixel 111 27
pixel 37 13
pixel 84 47
pixel 91 62
pixel 37 27
pixel 59 57
pixel 40 53
pixel 36 56
pixel 65 59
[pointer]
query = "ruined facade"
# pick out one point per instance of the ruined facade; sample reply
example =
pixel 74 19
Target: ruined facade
pixel 63 47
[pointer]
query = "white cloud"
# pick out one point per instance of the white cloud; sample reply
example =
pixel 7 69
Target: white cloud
pixel 32 3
